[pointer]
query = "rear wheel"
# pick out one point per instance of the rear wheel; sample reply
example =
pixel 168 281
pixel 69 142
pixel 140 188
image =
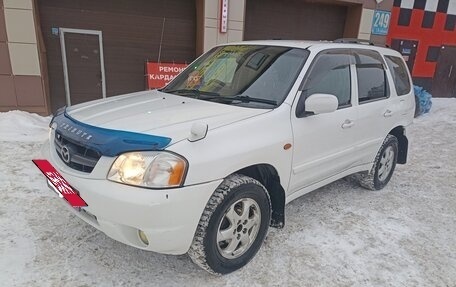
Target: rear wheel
pixel 383 168
pixel 233 225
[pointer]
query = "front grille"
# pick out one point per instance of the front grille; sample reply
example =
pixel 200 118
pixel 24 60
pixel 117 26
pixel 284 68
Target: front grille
pixel 75 155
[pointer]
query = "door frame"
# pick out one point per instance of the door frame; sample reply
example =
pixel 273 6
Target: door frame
pixel 62 32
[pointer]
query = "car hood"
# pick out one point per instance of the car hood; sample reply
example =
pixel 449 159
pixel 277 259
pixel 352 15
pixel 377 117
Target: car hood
pixel 157 113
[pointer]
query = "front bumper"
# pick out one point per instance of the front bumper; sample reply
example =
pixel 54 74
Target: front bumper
pixel 168 217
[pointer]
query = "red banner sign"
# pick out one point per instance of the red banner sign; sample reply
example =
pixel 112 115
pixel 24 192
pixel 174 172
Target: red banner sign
pixel 223 16
pixel 160 74
pixel 59 183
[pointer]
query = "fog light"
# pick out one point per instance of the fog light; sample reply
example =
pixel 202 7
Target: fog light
pixel 143 237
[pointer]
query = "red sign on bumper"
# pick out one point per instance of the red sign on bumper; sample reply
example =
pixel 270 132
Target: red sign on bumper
pixel 59 183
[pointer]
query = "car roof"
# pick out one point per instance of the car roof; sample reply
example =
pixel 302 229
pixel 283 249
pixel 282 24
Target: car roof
pixel 285 43
pixel 316 45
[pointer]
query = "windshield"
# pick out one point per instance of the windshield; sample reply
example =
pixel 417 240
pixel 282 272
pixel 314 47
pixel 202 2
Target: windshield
pixel 246 75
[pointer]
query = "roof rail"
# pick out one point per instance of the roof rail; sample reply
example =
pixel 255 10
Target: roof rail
pixel 353 41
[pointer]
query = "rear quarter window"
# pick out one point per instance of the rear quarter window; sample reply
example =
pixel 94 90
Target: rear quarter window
pixel 399 73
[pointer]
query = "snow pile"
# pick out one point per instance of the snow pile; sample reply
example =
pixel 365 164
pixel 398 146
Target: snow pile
pixel 23 126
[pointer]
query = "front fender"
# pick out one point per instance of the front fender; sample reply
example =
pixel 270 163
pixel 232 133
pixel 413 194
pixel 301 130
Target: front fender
pixel 227 149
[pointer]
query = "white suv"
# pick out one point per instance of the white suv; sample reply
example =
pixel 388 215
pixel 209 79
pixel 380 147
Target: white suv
pixel 205 165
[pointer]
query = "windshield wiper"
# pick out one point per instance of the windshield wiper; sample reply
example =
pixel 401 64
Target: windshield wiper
pixel 193 92
pixel 242 99
pixel 247 99
pixel 213 96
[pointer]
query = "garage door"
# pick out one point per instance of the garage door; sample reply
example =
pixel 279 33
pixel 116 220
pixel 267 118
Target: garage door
pixel 291 19
pixel 131 33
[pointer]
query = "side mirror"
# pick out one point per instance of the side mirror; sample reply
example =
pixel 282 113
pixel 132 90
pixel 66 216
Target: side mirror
pixel 321 103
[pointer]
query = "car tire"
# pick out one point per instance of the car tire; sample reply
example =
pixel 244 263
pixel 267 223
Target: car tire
pixel 233 225
pixel 383 168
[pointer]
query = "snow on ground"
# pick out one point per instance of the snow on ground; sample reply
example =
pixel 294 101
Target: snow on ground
pixel 339 235
pixel 23 126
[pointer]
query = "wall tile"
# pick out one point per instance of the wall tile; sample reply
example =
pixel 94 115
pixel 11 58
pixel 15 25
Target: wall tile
pixel 20 26
pixel 211 9
pixel 29 91
pixel 234 36
pixel 236 25
pixel 378 39
pixel 24 59
pixel 18 4
pixel 452 7
pixel 210 38
pixel 222 38
pixel 386 5
pixel 369 4
pixel 2 26
pixel 7 95
pixel 366 21
pixel 364 36
pixel 209 22
pixel 407 4
pixel 5 64
pixel 236 10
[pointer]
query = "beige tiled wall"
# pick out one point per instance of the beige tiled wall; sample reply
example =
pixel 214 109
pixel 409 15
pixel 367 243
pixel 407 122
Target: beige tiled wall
pixel 212 35
pixel 21 85
pixel 20 28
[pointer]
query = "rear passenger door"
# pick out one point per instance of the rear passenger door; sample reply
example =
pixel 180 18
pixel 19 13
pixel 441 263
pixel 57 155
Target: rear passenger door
pixel 401 89
pixel 377 106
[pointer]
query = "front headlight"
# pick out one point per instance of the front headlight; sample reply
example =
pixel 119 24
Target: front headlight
pixel 149 169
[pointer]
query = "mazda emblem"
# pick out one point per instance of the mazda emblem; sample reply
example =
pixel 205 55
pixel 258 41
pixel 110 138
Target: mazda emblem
pixel 65 152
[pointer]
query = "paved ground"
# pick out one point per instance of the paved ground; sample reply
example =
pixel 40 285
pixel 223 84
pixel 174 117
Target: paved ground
pixel 339 235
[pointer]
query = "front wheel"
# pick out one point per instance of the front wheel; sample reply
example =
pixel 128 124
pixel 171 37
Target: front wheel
pixel 383 167
pixel 233 225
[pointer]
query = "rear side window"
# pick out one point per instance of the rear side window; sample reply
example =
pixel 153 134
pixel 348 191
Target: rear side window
pixel 372 84
pixel 400 75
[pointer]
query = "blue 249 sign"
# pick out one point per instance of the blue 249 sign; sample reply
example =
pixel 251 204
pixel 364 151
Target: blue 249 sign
pixel 380 22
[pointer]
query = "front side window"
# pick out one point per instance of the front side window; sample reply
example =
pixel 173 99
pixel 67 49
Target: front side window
pixel 329 74
pixel 372 84
pixel 400 76
pixel 246 75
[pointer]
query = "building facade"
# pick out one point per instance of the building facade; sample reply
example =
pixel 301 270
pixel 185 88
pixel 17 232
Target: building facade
pixel 424 32
pixel 23 72
pixel 63 52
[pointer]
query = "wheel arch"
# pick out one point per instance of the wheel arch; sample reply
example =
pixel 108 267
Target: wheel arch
pixel 268 176
pixel 399 133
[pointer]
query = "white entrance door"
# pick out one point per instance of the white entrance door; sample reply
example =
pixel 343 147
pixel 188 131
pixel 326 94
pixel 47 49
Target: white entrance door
pixel 83 65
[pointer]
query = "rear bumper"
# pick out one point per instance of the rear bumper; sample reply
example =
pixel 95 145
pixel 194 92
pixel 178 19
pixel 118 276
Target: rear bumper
pixel 168 217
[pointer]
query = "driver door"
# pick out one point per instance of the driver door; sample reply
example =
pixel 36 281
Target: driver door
pixel 325 143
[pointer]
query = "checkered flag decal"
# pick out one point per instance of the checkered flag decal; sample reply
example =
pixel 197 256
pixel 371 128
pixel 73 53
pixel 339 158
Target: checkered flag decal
pixel 442 6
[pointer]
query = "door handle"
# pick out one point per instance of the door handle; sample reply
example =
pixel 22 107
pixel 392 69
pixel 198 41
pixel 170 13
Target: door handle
pixel 388 113
pixel 451 70
pixel 348 124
